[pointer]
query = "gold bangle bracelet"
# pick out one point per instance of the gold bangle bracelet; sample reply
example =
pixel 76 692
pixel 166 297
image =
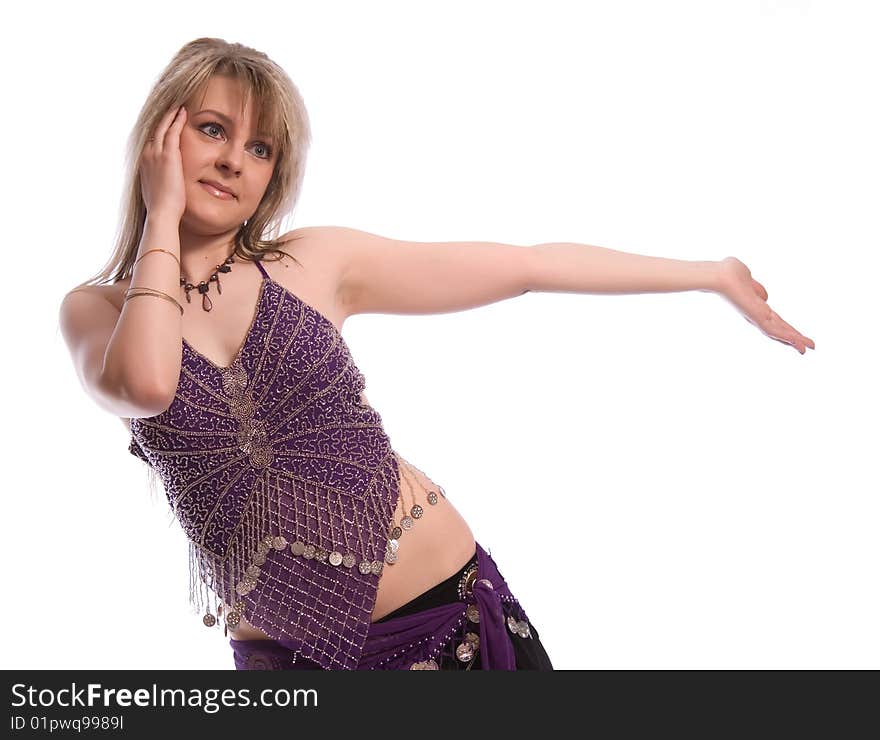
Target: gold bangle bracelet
pixel 157 249
pixel 134 292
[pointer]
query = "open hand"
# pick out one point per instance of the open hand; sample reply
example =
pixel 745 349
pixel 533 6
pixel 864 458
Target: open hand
pixel 749 296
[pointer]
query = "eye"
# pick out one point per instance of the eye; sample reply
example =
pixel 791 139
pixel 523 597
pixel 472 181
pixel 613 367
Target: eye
pixel 213 124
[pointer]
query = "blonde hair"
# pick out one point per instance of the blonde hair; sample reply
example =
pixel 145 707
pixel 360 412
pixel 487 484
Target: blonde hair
pixel 280 112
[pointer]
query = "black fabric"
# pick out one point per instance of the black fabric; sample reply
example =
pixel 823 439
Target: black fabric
pixel 530 653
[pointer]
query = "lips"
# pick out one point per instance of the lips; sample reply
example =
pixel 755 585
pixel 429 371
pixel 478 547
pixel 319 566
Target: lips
pixel 220 186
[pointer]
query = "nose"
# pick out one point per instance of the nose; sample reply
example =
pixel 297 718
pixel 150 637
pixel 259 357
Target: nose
pixel 229 160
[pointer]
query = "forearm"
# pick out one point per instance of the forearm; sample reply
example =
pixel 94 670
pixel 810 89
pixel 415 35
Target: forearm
pixel 583 268
pixel 144 353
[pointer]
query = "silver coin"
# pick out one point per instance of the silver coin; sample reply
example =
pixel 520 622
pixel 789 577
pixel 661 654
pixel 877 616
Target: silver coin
pixel 376 567
pixel 406 522
pixel 425 665
pixel 512 624
pixel 432 498
pixel 396 532
pixel 335 557
pixel 348 560
pixel 474 639
pixel 464 652
pixel 473 613
pixel 390 558
pixel 309 552
pixel 487 583
pixel 259 558
pixel 209 620
pixel 232 618
pixel 253 571
pixel 279 542
pixel 298 547
pixel 523 629
pixel 321 555
pixel 241 588
pixel 393 545
pixel 417 511
pixel 365 567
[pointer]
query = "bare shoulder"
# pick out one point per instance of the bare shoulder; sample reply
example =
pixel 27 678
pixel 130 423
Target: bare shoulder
pixel 91 295
pixel 316 267
pixel 87 317
pixel 323 246
pixel 85 304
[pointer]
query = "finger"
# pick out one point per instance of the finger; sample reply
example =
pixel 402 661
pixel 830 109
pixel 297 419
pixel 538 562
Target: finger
pixel 177 126
pixel 171 131
pixel 159 131
pixel 787 332
pixel 790 332
pixel 162 129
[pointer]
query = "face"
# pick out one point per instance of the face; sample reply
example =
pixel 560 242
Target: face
pixel 219 144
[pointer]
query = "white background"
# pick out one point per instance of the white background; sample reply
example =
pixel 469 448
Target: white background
pixel 661 485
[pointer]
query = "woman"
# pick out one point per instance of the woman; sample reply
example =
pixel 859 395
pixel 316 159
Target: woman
pixel 311 538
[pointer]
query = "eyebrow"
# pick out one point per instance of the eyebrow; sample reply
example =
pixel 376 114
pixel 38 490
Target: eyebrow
pixel 229 121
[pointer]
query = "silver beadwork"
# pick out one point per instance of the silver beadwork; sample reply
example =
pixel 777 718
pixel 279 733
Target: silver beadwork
pixel 261 457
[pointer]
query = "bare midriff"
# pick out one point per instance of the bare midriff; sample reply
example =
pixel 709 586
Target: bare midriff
pixel 438 545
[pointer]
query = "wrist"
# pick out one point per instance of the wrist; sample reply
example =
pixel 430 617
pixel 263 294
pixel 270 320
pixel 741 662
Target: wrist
pixel 161 222
pixel 710 276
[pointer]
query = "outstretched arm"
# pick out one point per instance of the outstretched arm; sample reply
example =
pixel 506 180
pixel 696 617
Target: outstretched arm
pixel 566 267
pixel 583 268
pixel 382 275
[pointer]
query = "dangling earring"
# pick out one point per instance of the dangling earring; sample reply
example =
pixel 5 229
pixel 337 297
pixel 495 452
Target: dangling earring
pixel 245 222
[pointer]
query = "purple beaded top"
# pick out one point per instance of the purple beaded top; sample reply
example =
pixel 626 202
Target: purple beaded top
pixel 284 482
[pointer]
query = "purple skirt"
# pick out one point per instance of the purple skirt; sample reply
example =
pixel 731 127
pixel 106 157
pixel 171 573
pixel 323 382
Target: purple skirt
pixel 469 621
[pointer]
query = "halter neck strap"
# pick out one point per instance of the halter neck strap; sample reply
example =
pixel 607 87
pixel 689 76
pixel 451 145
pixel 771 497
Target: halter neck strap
pixel 262 269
